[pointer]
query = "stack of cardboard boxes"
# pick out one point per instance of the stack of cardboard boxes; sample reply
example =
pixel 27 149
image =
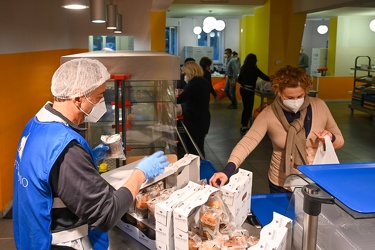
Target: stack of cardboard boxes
pixel 174 215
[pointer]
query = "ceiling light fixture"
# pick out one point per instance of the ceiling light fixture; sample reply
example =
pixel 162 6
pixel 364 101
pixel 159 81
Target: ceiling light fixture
pixel 119 24
pixel 322 29
pixel 98 11
pixel 75 4
pixel 209 24
pixel 372 25
pixel 111 16
pixel 219 25
pixel 197 30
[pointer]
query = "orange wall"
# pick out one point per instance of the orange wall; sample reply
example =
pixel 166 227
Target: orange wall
pixel 334 87
pixel 25 81
pixel 157 27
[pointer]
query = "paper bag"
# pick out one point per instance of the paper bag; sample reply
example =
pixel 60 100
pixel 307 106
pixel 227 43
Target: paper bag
pixel 328 156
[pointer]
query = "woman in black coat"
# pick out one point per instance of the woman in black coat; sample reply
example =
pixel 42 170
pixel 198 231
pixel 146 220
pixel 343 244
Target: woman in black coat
pixel 206 63
pixel 249 74
pixel 195 111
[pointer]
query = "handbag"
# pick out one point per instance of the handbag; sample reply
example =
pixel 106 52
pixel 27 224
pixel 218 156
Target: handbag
pixel 326 153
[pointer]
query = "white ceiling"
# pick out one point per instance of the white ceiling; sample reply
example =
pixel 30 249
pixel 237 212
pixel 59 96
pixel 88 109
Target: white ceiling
pixel 237 11
pixel 345 11
pixel 222 11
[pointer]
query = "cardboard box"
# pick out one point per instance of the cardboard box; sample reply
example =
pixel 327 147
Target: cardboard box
pixel 186 214
pixel 275 236
pixel 164 212
pixel 236 195
pixel 177 174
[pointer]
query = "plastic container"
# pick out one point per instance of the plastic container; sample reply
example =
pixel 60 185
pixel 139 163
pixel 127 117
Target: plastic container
pixel 103 168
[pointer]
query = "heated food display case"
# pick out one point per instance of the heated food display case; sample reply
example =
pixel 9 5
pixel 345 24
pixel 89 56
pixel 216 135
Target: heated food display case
pixel 140 100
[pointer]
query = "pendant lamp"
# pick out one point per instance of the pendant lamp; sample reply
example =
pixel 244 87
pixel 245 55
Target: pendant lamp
pixel 111 16
pixel 98 11
pixel 119 24
pixel 75 4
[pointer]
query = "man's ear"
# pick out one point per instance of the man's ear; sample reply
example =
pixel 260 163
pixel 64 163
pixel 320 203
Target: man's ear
pixel 77 100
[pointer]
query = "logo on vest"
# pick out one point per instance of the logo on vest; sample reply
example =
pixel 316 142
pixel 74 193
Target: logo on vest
pixel 22 146
pixel 22 180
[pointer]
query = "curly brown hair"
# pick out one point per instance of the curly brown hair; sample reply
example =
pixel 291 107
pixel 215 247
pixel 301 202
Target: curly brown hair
pixel 290 77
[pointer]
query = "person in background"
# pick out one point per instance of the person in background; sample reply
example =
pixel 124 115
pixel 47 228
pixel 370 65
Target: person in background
pixel 181 84
pixel 249 74
pixel 60 200
pixel 303 60
pixel 238 61
pixel 196 113
pixel 231 72
pixel 206 63
pixel 295 124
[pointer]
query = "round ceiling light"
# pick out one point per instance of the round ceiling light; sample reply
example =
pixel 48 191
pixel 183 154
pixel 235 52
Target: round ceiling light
pixel 209 21
pixel 322 29
pixel 207 29
pixel 372 25
pixel 219 25
pixel 197 30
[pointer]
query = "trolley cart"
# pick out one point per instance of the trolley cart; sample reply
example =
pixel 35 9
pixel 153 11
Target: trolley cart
pixel 207 169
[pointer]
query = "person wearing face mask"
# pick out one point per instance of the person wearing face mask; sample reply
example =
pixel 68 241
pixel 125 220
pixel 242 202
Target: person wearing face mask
pixel 60 200
pixel 295 124
pixel 205 62
pixel 195 109
pixel 232 71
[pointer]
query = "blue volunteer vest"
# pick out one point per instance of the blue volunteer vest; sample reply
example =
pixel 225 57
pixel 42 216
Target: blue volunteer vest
pixel 40 146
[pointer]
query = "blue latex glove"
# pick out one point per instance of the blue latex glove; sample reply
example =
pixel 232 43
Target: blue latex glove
pixel 153 165
pixel 216 98
pixel 100 152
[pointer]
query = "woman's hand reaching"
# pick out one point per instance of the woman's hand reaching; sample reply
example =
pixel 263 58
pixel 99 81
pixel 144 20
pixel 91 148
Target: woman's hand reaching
pixel 218 179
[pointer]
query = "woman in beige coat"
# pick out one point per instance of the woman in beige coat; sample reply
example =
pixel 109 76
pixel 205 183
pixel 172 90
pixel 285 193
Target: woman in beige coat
pixel 294 122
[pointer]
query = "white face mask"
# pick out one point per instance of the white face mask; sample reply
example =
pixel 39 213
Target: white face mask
pixel 294 105
pixel 186 78
pixel 97 111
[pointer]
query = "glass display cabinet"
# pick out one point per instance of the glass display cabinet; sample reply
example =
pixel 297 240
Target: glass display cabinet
pixel 140 100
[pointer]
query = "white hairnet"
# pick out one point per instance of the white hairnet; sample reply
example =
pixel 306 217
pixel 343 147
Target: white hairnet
pixel 78 77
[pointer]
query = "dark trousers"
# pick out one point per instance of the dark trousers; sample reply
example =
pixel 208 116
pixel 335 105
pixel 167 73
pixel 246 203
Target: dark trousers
pixel 276 189
pixel 230 91
pixel 248 104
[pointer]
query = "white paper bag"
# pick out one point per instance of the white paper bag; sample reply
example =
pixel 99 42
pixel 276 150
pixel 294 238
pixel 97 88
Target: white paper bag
pixel 328 156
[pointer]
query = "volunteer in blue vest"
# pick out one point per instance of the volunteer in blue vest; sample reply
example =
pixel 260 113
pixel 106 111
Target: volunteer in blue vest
pixel 60 200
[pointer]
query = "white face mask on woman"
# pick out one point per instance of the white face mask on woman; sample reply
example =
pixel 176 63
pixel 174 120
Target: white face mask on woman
pixel 186 78
pixel 294 104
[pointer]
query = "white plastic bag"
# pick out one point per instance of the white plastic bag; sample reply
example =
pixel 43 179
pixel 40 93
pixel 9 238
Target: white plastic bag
pixel 328 156
pixel 178 110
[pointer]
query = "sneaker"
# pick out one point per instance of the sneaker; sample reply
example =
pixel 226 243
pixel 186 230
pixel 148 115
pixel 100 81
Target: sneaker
pixel 243 130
